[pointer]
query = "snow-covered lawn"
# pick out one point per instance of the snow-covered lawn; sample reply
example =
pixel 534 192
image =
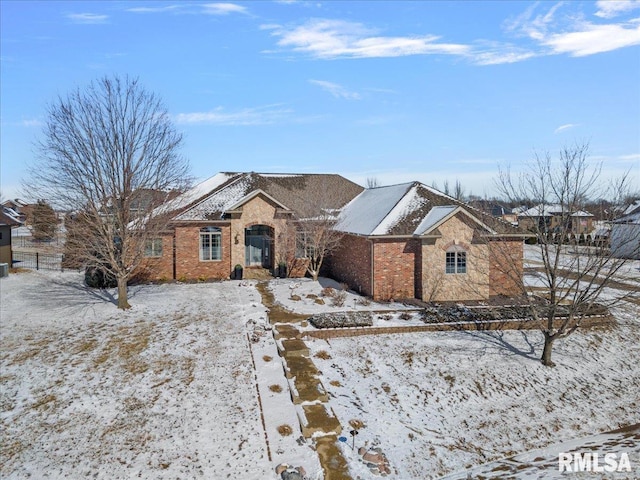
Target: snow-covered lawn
pixel 164 390
pixel 168 388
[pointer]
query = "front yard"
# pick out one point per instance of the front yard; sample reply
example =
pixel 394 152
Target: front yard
pixel 168 388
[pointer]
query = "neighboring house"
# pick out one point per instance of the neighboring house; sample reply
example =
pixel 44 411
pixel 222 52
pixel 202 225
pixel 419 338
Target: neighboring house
pixel 7 222
pixel 411 241
pixel 18 209
pixel 506 214
pixel 625 233
pixel 401 241
pixel 550 218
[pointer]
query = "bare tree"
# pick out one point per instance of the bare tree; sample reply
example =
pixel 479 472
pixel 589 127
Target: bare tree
pixel 316 237
pixel 104 148
pixel 571 277
pixel 458 191
pixel 372 182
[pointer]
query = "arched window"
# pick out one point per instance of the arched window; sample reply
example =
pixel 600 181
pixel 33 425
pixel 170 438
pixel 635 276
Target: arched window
pixel 456 260
pixel 210 244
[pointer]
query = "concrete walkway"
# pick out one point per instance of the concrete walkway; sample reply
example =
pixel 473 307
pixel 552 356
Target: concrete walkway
pixel 317 420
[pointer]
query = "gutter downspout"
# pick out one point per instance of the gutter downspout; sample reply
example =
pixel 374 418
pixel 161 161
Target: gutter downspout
pixel 173 253
pixel 373 278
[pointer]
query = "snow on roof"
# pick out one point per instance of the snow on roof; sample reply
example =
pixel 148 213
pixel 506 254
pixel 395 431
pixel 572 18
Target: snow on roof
pixel 633 208
pixel 194 193
pixel 220 201
pixel 434 217
pixel 366 212
pixel 408 203
pixel 548 210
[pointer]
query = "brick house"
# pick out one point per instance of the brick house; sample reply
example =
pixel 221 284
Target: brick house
pixel 411 241
pixel 239 219
pixel 400 241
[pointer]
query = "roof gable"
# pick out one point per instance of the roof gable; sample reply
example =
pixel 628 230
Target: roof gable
pixel 409 209
pixel 300 193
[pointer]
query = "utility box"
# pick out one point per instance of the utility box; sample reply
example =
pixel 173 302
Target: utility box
pixel 4 270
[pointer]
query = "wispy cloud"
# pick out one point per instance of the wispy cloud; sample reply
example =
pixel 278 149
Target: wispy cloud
pixel 610 9
pixel 328 39
pixel 591 39
pixel 87 18
pixel 574 35
pixel 167 8
pixel 30 123
pixel 338 91
pixel 630 158
pixel 265 115
pixel 558 29
pixel 221 8
pixel 567 126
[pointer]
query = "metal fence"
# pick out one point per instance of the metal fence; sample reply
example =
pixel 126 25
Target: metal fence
pixel 37 260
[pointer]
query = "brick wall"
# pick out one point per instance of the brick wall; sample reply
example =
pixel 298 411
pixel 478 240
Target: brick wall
pixel 188 264
pixel 158 268
pixel 506 267
pixel 394 269
pixel 351 263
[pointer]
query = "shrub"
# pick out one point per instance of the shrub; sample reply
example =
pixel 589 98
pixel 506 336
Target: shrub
pixel 328 292
pixel 339 299
pixel 406 316
pixel 285 430
pixel 323 354
pixel 364 301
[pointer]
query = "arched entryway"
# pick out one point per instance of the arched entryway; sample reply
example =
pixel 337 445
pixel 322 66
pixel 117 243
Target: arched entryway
pixel 258 246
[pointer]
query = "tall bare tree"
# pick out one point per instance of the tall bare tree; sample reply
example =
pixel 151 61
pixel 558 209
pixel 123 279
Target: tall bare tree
pixel 106 152
pixel 572 273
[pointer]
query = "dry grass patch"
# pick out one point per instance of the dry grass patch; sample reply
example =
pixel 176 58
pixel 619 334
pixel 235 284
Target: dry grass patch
pixel 323 354
pixel 356 424
pixel 275 388
pixel 267 358
pixel 335 383
pixel 285 430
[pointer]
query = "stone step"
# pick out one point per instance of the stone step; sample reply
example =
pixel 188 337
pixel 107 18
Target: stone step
pixel 256 273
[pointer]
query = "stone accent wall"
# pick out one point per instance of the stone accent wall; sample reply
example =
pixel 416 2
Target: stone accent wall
pixel 351 263
pixel 506 266
pixel 394 269
pixel 188 264
pixel 437 285
pixel 257 211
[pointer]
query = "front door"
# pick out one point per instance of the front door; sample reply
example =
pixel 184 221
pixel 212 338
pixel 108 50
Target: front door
pixel 258 241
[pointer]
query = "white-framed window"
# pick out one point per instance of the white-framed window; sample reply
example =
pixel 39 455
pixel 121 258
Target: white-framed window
pixel 153 247
pixel 456 260
pixel 210 244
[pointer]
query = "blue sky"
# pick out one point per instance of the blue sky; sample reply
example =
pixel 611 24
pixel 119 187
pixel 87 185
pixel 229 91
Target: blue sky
pixel 399 91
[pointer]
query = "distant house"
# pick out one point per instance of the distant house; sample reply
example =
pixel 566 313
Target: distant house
pixel 7 222
pixel 625 233
pixel 551 218
pixel 402 241
pixel 18 209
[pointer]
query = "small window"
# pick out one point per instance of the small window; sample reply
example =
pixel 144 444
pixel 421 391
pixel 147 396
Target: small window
pixel 210 244
pixel 153 248
pixel 456 262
